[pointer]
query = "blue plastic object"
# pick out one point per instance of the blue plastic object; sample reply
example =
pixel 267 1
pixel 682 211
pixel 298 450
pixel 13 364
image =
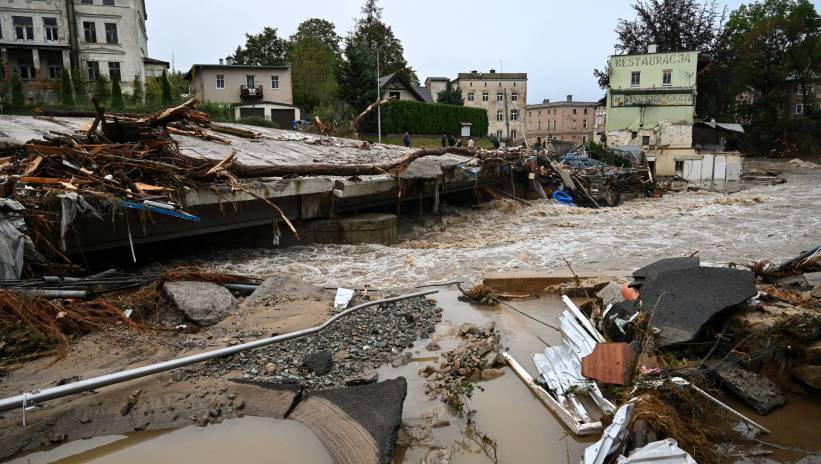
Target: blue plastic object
pixel 563 198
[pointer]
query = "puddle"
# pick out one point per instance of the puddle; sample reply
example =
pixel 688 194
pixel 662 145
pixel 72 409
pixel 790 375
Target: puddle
pixel 250 439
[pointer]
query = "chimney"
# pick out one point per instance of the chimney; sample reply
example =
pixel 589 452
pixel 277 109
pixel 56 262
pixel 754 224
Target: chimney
pixel 652 48
pixel 493 71
pixel 229 61
pixel 474 72
pixel 222 62
pixel 569 98
pixel 546 101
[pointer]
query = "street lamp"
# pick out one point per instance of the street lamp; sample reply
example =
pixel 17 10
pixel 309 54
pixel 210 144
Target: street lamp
pixel 378 98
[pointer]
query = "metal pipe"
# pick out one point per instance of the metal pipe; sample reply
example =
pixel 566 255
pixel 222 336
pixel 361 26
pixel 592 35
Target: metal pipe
pixel 91 384
pixel 247 288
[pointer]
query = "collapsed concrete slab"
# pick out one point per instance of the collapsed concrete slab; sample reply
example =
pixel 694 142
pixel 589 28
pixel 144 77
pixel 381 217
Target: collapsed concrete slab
pixel 204 303
pixel 683 300
pixel 761 393
pixel 358 425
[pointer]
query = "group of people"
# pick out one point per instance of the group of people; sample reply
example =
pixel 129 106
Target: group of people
pixel 451 141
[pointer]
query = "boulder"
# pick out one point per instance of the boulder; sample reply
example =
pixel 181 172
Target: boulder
pixel 204 303
pixel 319 363
pixel 809 374
pixel 402 360
pixel 492 374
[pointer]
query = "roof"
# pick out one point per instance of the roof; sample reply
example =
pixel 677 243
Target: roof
pixel 425 94
pixel 148 60
pixel 561 103
pixel 235 66
pixel 656 53
pixel 722 126
pixel 385 80
pixel 493 76
pixel 437 79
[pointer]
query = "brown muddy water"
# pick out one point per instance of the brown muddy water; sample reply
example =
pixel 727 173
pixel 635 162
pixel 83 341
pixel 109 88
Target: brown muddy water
pixel 773 222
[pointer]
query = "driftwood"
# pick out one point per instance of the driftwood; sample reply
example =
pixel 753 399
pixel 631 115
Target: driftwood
pixel 170 114
pixel 245 171
pixel 235 131
pixel 358 120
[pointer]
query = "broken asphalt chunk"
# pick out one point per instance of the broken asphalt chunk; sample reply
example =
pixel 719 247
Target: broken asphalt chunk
pixel 668 264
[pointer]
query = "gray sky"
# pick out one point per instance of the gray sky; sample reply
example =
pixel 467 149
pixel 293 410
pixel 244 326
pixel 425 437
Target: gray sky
pixel 557 42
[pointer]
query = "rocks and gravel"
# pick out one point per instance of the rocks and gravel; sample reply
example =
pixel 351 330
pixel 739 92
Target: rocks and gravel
pixel 355 346
pixel 204 303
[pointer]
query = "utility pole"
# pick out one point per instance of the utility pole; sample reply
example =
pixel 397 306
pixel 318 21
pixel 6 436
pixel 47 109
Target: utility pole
pixel 378 97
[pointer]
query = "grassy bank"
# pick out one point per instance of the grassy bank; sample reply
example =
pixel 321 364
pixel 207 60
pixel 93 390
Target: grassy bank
pixel 425 141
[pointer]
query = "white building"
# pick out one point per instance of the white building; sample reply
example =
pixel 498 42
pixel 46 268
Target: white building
pixel 40 38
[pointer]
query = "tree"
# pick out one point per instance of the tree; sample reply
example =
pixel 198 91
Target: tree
pixel 263 49
pixel 313 68
pixel 102 90
pixel 371 33
pixel 18 99
pixel 153 92
pixel 319 30
pixel 137 92
pixel 672 25
pixel 167 96
pixel 451 96
pixel 66 89
pixel 357 78
pixel 116 94
pixel 79 86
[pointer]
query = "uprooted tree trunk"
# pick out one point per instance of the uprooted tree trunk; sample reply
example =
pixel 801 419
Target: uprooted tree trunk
pixel 246 171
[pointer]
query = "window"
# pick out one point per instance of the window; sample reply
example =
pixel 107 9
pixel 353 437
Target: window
pixel 554 111
pixel 114 71
pixel 679 168
pixel 111 33
pixel 394 95
pixel 585 111
pixel 470 96
pixel 26 71
pixel 93 70
pixel 250 81
pixel 50 24
pixel 90 31
pixel 499 134
pixel 220 81
pixel 554 125
pixel 514 115
pixel 500 115
pixel 500 97
pixel 275 83
pixel 23 27
pixel 645 140
pixel 55 71
pixel 799 109
pixel 635 78
pixel 667 77
pixel 484 96
pixel 108 2
pixel 584 139
pixel 584 124
pixel 514 96
pixel 87 2
pixel 513 134
pixel 574 110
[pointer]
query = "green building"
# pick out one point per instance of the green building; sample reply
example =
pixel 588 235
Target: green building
pixel 651 103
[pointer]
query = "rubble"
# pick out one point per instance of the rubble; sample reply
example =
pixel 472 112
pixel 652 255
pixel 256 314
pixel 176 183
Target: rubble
pixel 756 390
pixel 204 303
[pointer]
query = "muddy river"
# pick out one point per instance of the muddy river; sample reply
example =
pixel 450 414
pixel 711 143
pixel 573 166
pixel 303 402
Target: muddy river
pixel 771 222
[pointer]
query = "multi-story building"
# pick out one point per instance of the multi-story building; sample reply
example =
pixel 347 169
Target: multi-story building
pixel 40 38
pixel 436 85
pixel 799 106
pixel 503 96
pixel 568 121
pixel 254 91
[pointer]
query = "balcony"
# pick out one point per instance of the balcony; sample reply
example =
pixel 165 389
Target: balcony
pixel 251 92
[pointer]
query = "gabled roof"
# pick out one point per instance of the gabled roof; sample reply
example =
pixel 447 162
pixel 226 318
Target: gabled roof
pixel 384 81
pixel 494 76
pixel 425 94
pixel 148 60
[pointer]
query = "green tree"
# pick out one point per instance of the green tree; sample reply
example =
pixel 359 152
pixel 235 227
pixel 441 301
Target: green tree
pixel 371 33
pixel 451 96
pixel 80 92
pixel 313 69
pixel 167 96
pixel 319 30
pixel 18 99
pixel 116 94
pixel 153 93
pixel 66 89
pixel 357 78
pixel 137 92
pixel 102 90
pixel 263 49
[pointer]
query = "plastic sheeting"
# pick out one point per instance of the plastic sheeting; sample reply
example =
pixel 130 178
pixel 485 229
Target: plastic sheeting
pixel 659 452
pixel 72 204
pixel 12 242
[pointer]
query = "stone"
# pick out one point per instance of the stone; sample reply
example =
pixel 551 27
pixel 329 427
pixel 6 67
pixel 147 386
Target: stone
pixel 433 346
pixel 485 330
pixel 367 378
pixel 610 294
pixel 340 356
pixel 492 374
pixel 816 292
pixel 402 360
pixel 319 363
pixel 271 368
pixel 761 393
pixel 467 328
pixel 813 279
pixel 809 374
pixel 203 303
pixel 685 300
pixel 438 456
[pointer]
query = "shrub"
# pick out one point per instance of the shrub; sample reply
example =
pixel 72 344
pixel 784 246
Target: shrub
pixel 116 95
pixel 427 119
pixel 66 89
pixel 18 100
pixel 102 90
pixel 217 111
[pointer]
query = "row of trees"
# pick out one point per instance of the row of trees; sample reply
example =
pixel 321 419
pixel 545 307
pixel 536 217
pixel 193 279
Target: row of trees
pixel 333 77
pixel 752 59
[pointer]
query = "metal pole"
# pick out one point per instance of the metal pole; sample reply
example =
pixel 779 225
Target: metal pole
pixel 24 399
pixel 378 97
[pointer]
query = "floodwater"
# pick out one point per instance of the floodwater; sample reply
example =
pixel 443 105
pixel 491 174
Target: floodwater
pixel 250 439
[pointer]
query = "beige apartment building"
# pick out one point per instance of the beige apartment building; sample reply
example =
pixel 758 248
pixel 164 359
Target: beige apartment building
pixel 503 96
pixel 254 91
pixel 569 121
pixel 40 38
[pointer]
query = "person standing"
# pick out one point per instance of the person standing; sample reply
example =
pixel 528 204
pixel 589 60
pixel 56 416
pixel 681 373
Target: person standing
pixel 406 139
pixel 495 141
pixel 471 144
pixel 444 141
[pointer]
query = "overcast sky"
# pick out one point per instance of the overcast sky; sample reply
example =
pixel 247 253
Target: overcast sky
pixel 557 42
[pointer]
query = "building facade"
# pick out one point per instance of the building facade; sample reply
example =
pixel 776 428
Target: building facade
pixel 436 85
pixel 254 91
pixel 395 87
pixel 40 38
pixel 503 96
pixel 568 121
pixel 799 106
